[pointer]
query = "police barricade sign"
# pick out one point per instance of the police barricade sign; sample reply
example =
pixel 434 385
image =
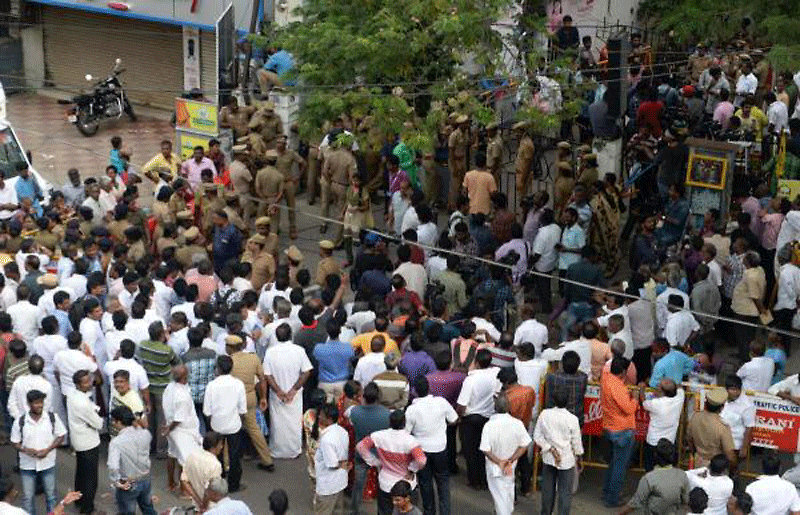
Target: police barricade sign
pixel 593 415
pixel 777 424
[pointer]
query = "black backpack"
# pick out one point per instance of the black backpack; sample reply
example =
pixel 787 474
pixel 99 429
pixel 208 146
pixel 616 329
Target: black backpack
pixel 22 424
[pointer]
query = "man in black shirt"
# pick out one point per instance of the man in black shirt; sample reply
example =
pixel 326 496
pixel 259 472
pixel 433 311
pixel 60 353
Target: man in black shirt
pixel 567 36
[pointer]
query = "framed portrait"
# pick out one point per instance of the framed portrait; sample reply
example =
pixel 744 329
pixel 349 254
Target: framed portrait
pixel 706 171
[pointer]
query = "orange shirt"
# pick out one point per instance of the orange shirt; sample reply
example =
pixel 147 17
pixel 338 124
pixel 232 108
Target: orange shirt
pixel 619 408
pixel 520 402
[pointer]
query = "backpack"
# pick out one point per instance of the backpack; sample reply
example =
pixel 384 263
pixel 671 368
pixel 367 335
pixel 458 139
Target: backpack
pixel 220 303
pixel 22 424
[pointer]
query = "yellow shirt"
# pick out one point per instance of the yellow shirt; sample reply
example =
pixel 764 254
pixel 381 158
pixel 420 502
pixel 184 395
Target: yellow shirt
pixel 159 162
pixel 364 341
pixel 755 123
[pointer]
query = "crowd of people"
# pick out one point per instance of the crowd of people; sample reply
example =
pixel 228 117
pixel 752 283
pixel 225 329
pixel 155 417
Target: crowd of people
pixel 184 328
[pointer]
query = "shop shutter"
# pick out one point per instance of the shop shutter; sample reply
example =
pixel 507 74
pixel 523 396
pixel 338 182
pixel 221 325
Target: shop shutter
pixel 78 42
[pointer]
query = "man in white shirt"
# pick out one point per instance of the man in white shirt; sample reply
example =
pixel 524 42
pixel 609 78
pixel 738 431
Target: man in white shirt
pixel 662 312
pixel 36 435
pixel 69 361
pixel 757 373
pixel 716 483
pixel 475 405
pixel 558 435
pixel 788 293
pixel 371 364
pixel 739 413
pixel 580 346
pixel 530 370
pixel 414 274
pixel 771 494
pixel 225 404
pixel 8 198
pixel 330 462
pixel 545 257
pixel 201 467
pixel 681 326
pixel 24 315
pixel 8 497
pixel 84 427
pixel 138 376
pixel 531 330
pixel 8 295
pixel 183 426
pixel 618 331
pixel 777 113
pixel 17 397
pixel 504 440
pixel 287 368
pixel 665 409
pixel 746 84
pixel 427 419
pixel 178 333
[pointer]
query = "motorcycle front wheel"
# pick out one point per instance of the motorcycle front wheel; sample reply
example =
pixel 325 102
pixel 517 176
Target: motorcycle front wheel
pixel 86 124
pixel 129 111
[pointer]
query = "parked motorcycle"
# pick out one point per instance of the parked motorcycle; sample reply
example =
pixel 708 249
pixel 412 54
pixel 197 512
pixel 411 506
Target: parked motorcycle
pixel 107 100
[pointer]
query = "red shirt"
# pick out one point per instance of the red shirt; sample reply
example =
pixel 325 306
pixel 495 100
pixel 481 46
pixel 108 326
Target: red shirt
pixel 648 114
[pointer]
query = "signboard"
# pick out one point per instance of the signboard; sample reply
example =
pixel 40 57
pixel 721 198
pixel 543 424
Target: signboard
pixel 187 141
pixel 789 188
pixel 191 58
pixel 777 424
pixel 195 116
pixel 593 415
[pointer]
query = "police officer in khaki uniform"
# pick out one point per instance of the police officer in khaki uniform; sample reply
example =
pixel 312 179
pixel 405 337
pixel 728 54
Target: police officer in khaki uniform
pixel 187 251
pixel 698 63
pixel 233 209
pixel 327 264
pixel 457 157
pixel 264 228
pixel 242 181
pixel 231 116
pixel 707 434
pixel 761 71
pixel 262 261
pixel 339 166
pixel 184 220
pixel 180 189
pixel 285 164
pixel 494 151
pixel 268 124
pixel 209 200
pixel 589 174
pixel 269 186
pixel 524 160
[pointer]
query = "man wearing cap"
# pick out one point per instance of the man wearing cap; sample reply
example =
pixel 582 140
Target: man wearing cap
pixel 494 150
pixel 247 368
pixel 707 434
pixel 267 123
pixel 285 164
pixel 328 264
pixel 457 156
pixel 698 63
pixel 524 160
pixel 242 179
pixel 233 209
pixel 231 116
pixel 180 194
pixel 264 228
pixel 269 185
pixel 337 169
pixel 588 174
pixel 294 257
pixel 261 261
pixel 762 73
pixel 190 248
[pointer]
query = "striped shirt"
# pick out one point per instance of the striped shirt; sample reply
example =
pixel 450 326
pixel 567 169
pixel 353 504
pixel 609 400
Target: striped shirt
pixel 503 358
pixel 201 363
pixel 157 358
pixel 15 368
pixel 398 453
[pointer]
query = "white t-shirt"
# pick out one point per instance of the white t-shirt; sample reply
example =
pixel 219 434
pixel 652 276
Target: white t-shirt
pixel 773 495
pixel 680 325
pixel 739 415
pixel 788 287
pixel 545 245
pixel 531 331
pixel 69 361
pixel 718 489
pixel 715 272
pixel 757 374
pixel 8 195
pixel 665 413
pixel 478 391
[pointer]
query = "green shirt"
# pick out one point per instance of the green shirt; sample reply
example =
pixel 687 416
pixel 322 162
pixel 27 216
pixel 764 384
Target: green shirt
pixel 157 358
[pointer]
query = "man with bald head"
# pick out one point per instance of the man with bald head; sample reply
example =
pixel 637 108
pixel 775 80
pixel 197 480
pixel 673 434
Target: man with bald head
pixel 182 425
pixel 665 413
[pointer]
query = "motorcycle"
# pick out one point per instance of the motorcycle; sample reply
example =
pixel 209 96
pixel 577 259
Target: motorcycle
pixel 106 100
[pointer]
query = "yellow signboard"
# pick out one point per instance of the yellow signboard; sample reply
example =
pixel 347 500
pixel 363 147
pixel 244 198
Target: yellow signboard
pixel 187 141
pixel 788 188
pixel 195 116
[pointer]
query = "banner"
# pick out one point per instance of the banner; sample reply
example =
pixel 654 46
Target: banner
pixel 593 415
pixel 195 116
pixel 777 424
pixel 187 141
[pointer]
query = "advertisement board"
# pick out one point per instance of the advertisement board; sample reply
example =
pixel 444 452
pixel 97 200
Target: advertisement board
pixel 196 116
pixel 593 415
pixel 777 424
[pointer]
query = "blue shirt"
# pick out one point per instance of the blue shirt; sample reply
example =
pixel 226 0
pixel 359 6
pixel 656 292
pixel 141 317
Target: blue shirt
pixel 29 188
pixel 414 364
pixel 227 245
pixel 115 160
pixel 572 238
pixel 64 325
pixel 779 357
pixel 674 365
pixel 280 62
pixel 334 361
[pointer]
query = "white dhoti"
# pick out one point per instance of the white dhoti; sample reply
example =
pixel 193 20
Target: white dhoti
pixel 502 490
pixel 286 426
pixel 181 443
